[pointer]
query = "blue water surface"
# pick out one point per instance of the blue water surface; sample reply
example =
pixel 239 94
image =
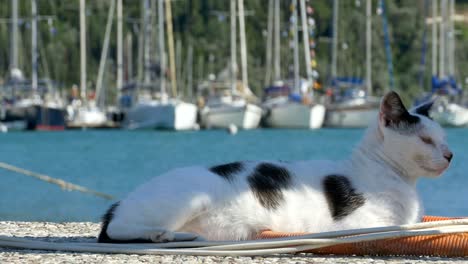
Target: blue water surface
pixel 116 162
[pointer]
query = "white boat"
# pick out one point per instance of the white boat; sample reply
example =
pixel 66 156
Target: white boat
pixel 450 114
pixel 350 117
pixel 87 116
pixel 157 114
pixel 227 104
pixel 226 111
pixel 351 105
pixel 295 115
pixel 282 110
pixel 448 109
pixel 352 112
pixel 285 107
pixel 159 110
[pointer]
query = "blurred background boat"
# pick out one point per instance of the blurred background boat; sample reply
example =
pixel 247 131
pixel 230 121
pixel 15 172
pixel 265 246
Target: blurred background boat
pixel 24 108
pixel 32 104
pixel 285 109
pixel 350 103
pixel 450 107
pixel 223 107
pixel 159 110
pixel 291 103
pixel 226 101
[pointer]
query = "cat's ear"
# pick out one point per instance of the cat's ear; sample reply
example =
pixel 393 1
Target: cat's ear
pixel 393 112
pixel 423 109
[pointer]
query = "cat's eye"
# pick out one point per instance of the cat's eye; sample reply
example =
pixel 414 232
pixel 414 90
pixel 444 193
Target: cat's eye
pixel 427 140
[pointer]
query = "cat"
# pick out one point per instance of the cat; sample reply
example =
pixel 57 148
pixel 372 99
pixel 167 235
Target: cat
pixel 375 186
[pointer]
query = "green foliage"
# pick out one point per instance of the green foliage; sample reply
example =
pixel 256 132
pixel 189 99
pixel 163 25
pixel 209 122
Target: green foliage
pixel 205 25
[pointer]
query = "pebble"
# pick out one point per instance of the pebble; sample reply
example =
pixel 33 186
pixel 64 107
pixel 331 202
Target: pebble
pixel 86 232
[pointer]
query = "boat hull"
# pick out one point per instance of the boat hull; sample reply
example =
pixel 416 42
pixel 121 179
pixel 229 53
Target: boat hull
pixel 453 115
pixel 172 115
pixel 351 117
pixel 88 117
pixel 47 118
pixel 243 117
pixel 294 115
pixel 34 117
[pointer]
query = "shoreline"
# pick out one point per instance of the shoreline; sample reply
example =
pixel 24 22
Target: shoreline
pixel 87 232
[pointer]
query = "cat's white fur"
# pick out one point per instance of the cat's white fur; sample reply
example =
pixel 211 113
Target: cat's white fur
pixel 383 167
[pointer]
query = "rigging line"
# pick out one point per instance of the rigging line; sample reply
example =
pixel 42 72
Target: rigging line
pixel 63 184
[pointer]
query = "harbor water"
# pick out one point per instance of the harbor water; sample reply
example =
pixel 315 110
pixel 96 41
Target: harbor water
pixel 115 162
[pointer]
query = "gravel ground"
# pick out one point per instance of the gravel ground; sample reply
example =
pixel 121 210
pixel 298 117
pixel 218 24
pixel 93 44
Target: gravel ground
pixel 86 232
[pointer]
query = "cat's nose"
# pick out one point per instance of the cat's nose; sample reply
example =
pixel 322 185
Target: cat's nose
pixel 448 156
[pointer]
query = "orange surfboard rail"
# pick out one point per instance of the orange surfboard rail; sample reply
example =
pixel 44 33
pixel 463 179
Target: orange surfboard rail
pixel 443 245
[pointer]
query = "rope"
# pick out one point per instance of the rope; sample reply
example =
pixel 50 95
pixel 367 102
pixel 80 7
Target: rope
pixel 254 247
pixel 63 184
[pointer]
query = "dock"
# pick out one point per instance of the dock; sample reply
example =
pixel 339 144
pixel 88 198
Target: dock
pixel 87 232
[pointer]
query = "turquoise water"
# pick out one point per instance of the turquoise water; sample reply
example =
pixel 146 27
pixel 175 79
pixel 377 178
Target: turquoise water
pixel 115 162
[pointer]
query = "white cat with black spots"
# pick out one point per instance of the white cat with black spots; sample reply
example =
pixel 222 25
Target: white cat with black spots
pixel 375 186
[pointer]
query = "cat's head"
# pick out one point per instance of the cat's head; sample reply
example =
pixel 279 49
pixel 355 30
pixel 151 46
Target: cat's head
pixel 411 139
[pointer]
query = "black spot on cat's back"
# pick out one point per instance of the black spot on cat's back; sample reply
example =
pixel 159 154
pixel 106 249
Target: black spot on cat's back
pixel 267 183
pixel 106 219
pixel 341 196
pixel 228 170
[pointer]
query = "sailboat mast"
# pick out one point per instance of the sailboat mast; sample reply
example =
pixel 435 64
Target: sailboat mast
pixel 295 44
pixel 14 35
pixel 434 4
pixel 170 44
pixel 233 46
pixel 178 67
pixel 305 39
pixel 369 46
pixel 119 48
pixel 243 45
pixel 34 46
pixel 102 62
pixel 334 38
pixel 141 46
pixel 451 39
pixel 129 56
pixel 443 11
pixel 162 46
pixel 147 43
pixel 277 47
pixel 190 71
pixel 269 43
pixel 83 50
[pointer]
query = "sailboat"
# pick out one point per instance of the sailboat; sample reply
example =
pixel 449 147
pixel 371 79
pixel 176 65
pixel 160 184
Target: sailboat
pixel 161 111
pixel 286 107
pixel 84 112
pixel 351 105
pixel 39 108
pixel 228 104
pixel 34 104
pixel 448 110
